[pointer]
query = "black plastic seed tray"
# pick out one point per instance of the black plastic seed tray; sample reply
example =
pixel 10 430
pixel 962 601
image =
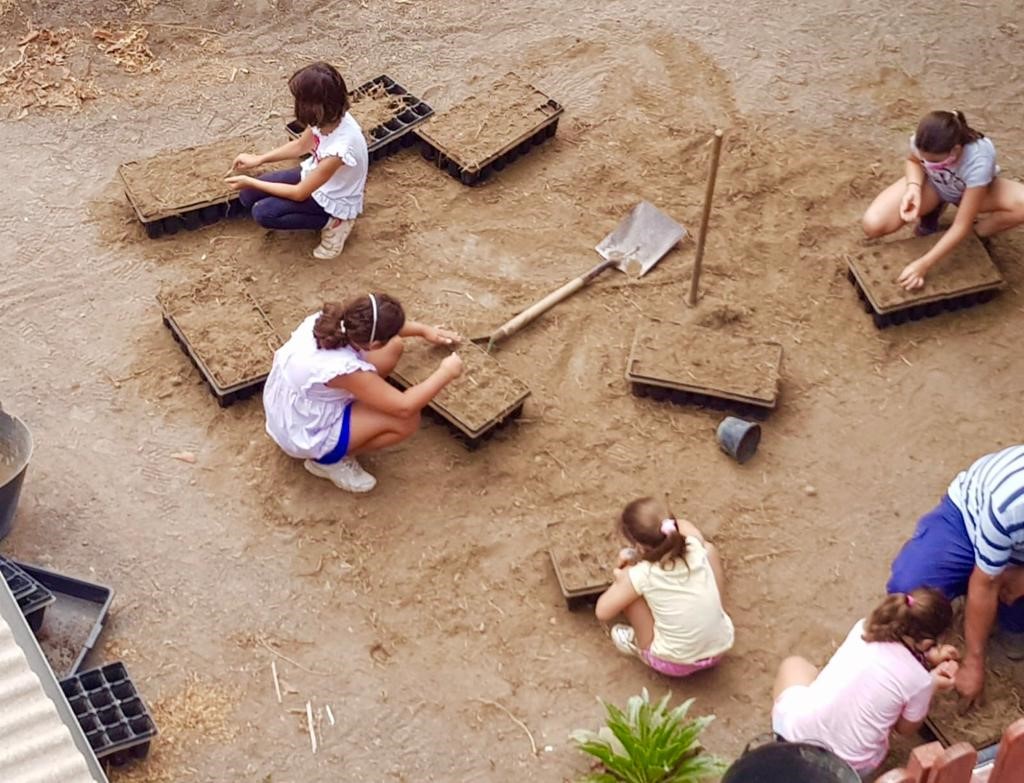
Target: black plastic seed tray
pixel 18 582
pixel 919 311
pixel 387 137
pixel 34 604
pixel 225 395
pixel 113 716
pixel 194 219
pixel 74 621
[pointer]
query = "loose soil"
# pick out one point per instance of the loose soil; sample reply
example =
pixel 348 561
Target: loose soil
pixel 968 269
pixel 224 326
pixel 484 124
pixel 584 552
pixel 704 360
pixel 481 396
pixel 193 177
pixel 65 630
pixel 400 608
pixel 373 107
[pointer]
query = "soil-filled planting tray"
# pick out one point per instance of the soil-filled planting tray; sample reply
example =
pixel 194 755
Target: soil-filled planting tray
pixel 485 398
pixel 221 327
pixel 386 112
pixel 583 554
pixel 983 725
pixel 186 188
pixel 113 716
pixel 75 619
pixel 691 365
pixel 486 132
pixel 966 278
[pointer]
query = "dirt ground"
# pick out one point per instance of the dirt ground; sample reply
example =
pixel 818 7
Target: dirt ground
pixel 412 611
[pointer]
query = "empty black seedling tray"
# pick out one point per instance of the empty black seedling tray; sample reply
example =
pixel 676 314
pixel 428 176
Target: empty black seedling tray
pixel 75 619
pixel 389 136
pixel 18 582
pixel 113 716
pixel 33 606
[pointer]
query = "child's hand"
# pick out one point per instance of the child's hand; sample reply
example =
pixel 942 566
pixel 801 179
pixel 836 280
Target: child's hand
pixel 452 365
pixel 238 182
pixel 938 655
pixel 245 161
pixel 439 336
pixel 944 676
pixel 627 557
pixel 910 205
pixel 912 276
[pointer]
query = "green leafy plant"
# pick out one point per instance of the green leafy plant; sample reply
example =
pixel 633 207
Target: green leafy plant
pixel 649 743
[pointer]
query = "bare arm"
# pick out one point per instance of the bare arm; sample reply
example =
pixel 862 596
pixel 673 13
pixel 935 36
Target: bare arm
pixel 295 148
pixel 913 273
pixel 432 334
pixel 370 389
pixel 687 528
pixel 616 598
pixel 914 171
pixel 979 617
pixel 300 191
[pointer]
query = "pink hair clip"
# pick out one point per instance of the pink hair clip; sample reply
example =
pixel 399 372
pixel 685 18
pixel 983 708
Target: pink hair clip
pixel 668 526
pixel 910 600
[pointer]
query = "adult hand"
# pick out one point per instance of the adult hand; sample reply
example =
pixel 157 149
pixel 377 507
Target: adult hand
pixel 239 182
pixel 439 336
pixel 452 365
pixel 970 682
pixel 912 276
pixel 245 161
pixel 944 676
pixel 910 204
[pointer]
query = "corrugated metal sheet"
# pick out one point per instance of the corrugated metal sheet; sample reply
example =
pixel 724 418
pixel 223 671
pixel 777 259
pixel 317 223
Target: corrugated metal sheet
pixel 36 746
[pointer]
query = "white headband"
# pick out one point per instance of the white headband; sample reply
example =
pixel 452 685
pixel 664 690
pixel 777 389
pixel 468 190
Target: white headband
pixel 373 330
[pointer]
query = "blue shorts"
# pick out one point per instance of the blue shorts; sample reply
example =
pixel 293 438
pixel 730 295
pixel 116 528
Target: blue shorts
pixel 337 454
pixel 941 555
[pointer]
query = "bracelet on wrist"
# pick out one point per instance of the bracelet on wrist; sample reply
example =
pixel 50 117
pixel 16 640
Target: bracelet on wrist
pixel 913 183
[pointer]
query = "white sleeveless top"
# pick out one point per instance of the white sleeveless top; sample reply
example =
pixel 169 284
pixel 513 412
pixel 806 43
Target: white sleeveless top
pixel 303 413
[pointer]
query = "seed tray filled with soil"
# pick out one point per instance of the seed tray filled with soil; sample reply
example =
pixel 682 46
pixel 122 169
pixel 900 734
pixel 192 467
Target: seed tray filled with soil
pixel 386 112
pixel 983 725
pixel 185 188
pixel 691 365
pixel 486 132
pixel 483 399
pixel 74 621
pixel 583 554
pixel 223 330
pixel 967 277
pixel 112 714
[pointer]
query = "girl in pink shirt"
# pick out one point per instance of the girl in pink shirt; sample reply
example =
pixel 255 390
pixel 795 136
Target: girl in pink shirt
pixel 881 679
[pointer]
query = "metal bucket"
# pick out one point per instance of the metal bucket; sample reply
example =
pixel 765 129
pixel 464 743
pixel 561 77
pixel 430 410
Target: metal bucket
pixel 789 762
pixel 15 453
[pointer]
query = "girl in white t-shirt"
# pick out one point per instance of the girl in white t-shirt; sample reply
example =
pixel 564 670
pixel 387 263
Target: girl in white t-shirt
pixel 877 682
pixel 668 589
pixel 326 191
pixel 326 398
pixel 949 163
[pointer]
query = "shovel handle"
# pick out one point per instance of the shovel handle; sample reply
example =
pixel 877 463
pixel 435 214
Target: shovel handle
pixel 532 312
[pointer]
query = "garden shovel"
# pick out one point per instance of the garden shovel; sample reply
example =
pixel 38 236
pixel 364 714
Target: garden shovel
pixel 634 247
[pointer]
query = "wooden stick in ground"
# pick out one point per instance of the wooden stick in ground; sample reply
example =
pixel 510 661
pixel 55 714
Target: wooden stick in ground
pixel 709 193
pixel 519 723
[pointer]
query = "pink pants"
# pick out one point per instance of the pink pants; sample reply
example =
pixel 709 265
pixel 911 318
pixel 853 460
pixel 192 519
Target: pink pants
pixel 673 669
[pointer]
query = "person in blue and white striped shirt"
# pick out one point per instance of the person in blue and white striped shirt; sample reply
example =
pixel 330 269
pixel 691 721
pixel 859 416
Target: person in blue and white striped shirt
pixel 973 543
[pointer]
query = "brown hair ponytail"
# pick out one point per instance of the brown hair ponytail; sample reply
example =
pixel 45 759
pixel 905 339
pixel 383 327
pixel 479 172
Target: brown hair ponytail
pixel 939 131
pixel 367 319
pixel 924 613
pixel 643 522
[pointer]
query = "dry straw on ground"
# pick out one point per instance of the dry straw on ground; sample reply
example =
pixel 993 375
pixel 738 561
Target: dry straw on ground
pixel 127 48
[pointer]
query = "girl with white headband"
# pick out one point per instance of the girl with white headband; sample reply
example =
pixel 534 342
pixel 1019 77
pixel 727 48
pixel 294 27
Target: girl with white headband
pixel 668 589
pixel 326 398
pixel 949 163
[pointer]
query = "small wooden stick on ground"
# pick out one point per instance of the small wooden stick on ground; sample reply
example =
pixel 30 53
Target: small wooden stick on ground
pixel 519 723
pixel 309 722
pixel 277 682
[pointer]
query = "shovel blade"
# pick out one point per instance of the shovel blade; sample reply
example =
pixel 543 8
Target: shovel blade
pixel 641 239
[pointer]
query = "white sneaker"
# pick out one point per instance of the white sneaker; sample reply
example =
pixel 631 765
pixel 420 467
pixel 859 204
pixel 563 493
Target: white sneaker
pixel 332 238
pixel 347 474
pixel 624 639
